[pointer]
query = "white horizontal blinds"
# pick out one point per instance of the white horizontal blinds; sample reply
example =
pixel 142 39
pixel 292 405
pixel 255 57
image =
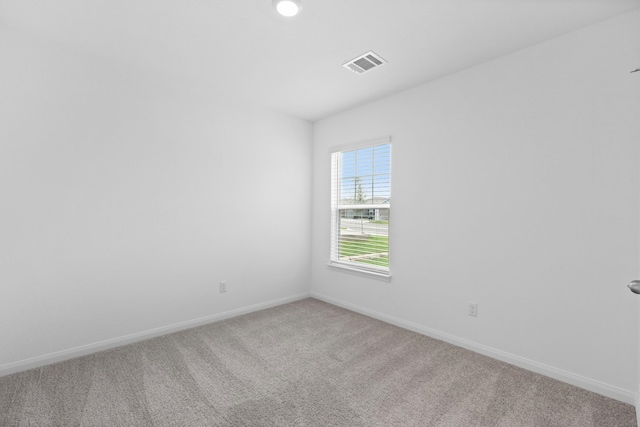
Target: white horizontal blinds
pixel 361 204
pixel 335 226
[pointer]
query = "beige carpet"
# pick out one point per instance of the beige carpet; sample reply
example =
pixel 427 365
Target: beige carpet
pixel 307 363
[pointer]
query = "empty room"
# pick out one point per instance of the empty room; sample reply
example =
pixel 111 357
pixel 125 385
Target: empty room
pixel 319 213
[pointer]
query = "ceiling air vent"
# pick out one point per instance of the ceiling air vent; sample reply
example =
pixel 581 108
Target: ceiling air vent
pixel 365 62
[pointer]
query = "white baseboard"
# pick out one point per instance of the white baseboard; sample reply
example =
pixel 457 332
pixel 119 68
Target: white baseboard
pixel 58 356
pixel 530 365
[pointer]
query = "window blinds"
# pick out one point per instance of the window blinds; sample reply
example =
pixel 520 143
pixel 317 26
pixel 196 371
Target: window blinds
pixel 361 206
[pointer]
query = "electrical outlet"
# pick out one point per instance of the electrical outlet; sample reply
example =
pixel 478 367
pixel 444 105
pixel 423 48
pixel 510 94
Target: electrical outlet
pixel 473 309
pixel 223 286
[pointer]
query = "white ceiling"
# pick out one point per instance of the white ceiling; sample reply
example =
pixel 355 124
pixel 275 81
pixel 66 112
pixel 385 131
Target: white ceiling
pixel 243 48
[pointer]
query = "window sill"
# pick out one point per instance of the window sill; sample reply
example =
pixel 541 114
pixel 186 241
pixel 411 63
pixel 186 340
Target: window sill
pixel 384 276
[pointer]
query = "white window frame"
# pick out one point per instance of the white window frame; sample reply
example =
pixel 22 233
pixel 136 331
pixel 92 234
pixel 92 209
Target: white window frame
pixel 334 257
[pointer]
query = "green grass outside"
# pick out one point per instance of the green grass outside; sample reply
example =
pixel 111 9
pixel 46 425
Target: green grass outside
pixel 381 261
pixel 371 245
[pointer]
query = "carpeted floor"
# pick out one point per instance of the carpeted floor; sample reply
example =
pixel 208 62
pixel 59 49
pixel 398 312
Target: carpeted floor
pixel 307 363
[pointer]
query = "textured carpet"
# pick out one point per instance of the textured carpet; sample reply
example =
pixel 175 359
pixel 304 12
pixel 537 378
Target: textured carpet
pixel 307 363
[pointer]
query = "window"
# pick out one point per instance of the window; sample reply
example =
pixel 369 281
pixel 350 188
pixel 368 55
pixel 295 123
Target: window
pixel 361 208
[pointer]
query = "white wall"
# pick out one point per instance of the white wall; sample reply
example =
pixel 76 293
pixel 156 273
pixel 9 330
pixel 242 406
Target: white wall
pixel 122 205
pixel 515 185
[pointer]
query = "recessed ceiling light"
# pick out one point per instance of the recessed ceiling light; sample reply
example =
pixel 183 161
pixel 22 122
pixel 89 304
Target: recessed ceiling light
pixel 287 7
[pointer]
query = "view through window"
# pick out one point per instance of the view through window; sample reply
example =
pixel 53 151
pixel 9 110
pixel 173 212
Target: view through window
pixel 361 207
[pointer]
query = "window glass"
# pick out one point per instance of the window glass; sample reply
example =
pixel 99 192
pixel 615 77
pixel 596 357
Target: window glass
pixel 361 207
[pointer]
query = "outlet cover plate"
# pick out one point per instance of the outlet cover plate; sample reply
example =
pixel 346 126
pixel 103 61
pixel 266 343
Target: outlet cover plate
pixel 473 309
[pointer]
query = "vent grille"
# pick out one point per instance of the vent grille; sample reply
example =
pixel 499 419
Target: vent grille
pixel 364 62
